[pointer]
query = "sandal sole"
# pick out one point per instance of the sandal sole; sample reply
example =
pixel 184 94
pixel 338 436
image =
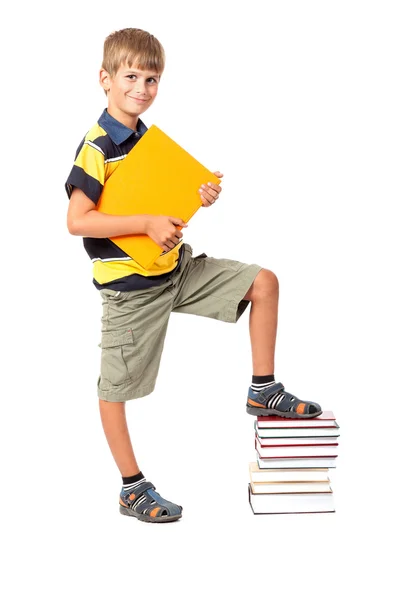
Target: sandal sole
pixel 131 513
pixel 269 412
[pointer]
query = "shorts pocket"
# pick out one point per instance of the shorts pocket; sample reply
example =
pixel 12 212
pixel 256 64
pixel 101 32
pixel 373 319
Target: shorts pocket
pixel 120 358
pixel 107 294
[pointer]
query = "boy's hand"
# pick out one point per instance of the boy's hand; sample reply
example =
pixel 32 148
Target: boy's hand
pixel 163 231
pixel 210 192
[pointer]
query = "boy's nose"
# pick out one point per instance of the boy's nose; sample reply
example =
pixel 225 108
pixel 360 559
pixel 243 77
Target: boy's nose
pixel 139 88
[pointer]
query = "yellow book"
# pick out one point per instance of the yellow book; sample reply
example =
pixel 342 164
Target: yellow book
pixel 157 177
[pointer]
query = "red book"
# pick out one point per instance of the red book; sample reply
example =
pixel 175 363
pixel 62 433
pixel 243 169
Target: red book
pixel 326 419
pixel 293 451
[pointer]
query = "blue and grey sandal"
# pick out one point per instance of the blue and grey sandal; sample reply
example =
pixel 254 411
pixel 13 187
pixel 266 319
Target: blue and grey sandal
pixel 274 400
pixel 147 505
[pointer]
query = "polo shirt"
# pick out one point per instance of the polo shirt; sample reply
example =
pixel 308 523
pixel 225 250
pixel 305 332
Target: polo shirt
pixel 99 154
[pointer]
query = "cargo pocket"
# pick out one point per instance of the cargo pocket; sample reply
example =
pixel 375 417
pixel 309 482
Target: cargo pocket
pixel 120 358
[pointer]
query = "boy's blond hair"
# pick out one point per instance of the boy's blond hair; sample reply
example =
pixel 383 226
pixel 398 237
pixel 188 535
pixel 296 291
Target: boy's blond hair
pixel 133 47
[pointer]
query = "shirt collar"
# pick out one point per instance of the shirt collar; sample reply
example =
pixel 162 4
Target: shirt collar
pixel 117 131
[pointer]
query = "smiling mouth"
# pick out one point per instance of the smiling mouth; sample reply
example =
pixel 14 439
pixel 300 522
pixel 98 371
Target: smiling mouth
pixel 140 100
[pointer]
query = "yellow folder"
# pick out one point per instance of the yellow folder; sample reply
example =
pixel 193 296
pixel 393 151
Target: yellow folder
pixel 157 177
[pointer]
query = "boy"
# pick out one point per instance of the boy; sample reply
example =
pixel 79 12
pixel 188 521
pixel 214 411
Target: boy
pixel 137 303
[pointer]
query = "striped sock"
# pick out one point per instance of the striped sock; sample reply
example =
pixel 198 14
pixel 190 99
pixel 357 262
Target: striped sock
pixel 260 382
pixel 130 483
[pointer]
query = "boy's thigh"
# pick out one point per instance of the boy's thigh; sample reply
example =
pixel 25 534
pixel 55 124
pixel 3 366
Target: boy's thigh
pixel 134 325
pixel 215 287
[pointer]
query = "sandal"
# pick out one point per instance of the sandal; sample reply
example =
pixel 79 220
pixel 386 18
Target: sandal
pixel 147 505
pixel 274 400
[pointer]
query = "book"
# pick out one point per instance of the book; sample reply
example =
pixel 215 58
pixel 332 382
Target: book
pixel 291 503
pixel 292 451
pixel 266 475
pixel 297 432
pixel 325 462
pixel 287 487
pixel 326 419
pixel 157 177
pixel 293 441
pixel 297 441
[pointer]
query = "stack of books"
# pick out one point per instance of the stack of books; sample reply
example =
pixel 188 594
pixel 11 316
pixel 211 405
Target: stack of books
pixel 293 461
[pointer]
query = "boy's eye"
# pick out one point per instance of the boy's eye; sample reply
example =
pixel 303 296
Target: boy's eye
pixel 150 79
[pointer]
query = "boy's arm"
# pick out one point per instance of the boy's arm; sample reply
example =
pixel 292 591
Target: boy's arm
pixel 85 220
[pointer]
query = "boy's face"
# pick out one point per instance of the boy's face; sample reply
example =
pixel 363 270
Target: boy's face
pixel 130 93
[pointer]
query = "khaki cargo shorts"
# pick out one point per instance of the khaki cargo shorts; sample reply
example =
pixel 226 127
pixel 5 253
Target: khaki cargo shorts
pixel 134 323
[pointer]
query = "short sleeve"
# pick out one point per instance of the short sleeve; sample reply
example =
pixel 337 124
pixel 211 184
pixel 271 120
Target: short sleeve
pixel 88 171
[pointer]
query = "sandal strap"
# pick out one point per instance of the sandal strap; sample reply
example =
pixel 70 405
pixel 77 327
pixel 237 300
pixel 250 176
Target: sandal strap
pixel 138 491
pixel 269 391
pixel 147 485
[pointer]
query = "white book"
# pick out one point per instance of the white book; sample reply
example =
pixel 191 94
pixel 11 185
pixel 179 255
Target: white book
pixel 326 419
pixel 285 487
pixel 288 475
pixel 289 441
pixel 292 451
pixel 297 463
pixel 300 432
pixel 291 503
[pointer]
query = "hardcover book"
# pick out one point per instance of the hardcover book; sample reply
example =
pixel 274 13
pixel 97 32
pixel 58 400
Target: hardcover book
pixel 258 475
pixel 305 450
pixel 325 462
pixel 326 419
pixel 286 487
pixel 297 432
pixel 291 503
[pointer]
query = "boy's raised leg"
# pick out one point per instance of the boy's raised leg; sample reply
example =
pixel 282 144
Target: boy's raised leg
pixel 265 396
pixel 263 295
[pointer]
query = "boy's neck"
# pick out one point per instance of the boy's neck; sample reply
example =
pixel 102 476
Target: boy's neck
pixel 127 120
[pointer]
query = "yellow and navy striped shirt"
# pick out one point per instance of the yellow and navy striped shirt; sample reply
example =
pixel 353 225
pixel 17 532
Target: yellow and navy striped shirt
pixel 98 155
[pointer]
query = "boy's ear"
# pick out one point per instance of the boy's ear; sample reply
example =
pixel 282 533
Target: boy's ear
pixel 105 80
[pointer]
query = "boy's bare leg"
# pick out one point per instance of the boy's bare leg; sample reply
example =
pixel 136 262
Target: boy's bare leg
pixel 263 295
pixel 115 428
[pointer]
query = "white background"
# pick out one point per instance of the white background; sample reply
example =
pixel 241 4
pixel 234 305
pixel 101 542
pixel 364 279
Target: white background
pixel 297 103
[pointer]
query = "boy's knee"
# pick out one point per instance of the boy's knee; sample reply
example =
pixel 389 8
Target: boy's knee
pixel 266 284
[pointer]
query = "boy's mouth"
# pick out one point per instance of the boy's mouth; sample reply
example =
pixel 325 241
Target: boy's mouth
pixel 139 100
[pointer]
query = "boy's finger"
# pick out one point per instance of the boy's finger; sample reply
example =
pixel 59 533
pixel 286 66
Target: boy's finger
pixel 207 201
pixel 210 187
pixel 178 221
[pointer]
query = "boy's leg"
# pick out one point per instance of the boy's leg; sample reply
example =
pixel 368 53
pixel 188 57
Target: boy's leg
pixel 263 295
pixel 138 497
pixel 270 399
pixel 115 427
pixel 133 332
pixel 222 289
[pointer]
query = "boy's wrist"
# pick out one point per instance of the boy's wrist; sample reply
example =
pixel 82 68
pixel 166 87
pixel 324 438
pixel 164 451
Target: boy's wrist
pixel 146 223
